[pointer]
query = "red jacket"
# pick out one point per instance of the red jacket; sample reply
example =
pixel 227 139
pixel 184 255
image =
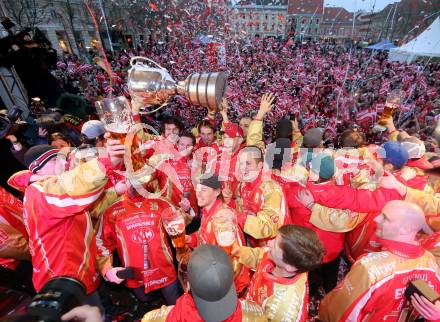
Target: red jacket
pixel 174 178
pixel 418 182
pixel 226 167
pixel 373 289
pixel 206 155
pixel 333 242
pixel 345 197
pixel 133 226
pixel 185 310
pixel 422 163
pixel 13 235
pixel 361 239
pixel 61 238
pixel 20 180
pixel 206 235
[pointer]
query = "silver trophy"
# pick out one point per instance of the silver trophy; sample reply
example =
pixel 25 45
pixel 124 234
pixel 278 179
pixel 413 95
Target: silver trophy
pixel 155 85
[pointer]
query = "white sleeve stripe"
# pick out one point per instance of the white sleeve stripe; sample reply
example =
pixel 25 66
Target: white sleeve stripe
pixel 67 202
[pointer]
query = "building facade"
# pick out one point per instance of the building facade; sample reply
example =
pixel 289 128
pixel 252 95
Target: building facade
pixel 400 21
pixel 65 23
pixel 259 18
pixel 305 18
pixel 338 23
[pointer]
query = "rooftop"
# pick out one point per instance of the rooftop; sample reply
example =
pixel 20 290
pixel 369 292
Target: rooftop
pixel 261 3
pixel 337 14
pixel 305 7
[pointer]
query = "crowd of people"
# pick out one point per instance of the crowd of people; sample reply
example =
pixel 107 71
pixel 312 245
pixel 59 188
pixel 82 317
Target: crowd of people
pixel 330 86
pixel 330 218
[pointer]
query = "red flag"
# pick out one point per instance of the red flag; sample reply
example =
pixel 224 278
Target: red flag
pixel 365 116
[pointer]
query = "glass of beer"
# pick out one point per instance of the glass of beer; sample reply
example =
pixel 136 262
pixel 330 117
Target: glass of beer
pixel 174 224
pixel 115 113
pixel 392 104
pixel 225 229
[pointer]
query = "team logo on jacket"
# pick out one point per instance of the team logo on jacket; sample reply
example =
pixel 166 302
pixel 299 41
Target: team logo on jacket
pixel 142 235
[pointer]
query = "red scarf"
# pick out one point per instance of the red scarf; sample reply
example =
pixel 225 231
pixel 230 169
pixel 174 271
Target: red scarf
pixel 402 249
pixel 185 310
pixel 421 163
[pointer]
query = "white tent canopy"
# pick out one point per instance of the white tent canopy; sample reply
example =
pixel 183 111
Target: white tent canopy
pixel 426 44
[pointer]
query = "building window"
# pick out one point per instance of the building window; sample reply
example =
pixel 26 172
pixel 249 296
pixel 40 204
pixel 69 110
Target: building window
pixel 53 14
pixel 317 21
pixel 63 42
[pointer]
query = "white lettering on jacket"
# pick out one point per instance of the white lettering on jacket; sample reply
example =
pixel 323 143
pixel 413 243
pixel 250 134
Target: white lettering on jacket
pixel 156 282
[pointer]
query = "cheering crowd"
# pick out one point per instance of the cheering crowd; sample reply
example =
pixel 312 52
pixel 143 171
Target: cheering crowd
pixel 330 219
pixel 324 83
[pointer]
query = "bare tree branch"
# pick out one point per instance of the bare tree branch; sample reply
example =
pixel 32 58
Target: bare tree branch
pixel 28 13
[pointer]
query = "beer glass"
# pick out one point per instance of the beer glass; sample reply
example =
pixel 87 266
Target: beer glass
pixel 392 104
pixel 174 225
pixel 115 113
pixel 225 229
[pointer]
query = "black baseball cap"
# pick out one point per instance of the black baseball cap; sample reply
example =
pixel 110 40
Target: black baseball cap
pixel 210 180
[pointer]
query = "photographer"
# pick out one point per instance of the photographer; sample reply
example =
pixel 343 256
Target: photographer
pixel 18 149
pixel 32 62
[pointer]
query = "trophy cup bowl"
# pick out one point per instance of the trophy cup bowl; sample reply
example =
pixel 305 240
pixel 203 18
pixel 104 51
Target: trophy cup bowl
pixel 155 86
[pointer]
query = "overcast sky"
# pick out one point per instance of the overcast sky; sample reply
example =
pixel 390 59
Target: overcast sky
pixel 354 5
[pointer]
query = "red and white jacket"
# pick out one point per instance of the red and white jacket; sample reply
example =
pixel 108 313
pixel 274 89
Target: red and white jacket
pixel 206 235
pixel 283 299
pixel 373 290
pixel 61 238
pixel 13 235
pixel 133 226
pixel 263 209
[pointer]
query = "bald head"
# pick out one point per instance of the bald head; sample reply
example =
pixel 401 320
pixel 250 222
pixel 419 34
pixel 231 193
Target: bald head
pixel 400 221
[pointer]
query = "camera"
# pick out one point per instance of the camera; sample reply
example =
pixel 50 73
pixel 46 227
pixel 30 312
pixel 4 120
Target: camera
pixel 7 121
pixel 421 288
pixel 58 296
